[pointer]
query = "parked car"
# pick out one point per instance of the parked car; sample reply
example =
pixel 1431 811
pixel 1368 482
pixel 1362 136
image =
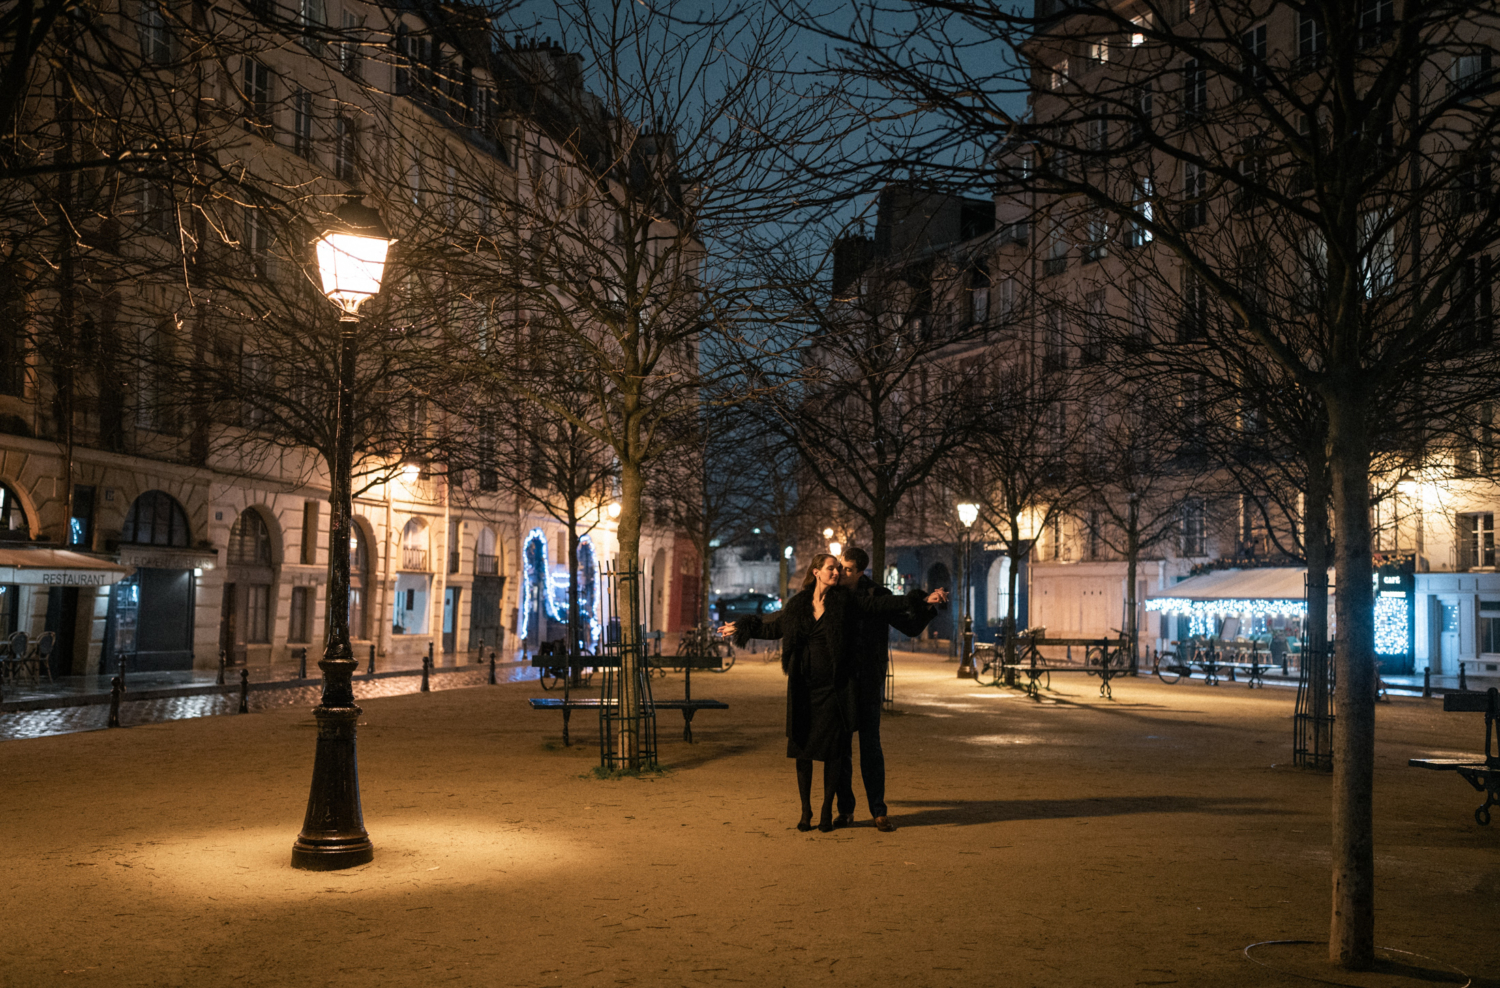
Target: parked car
pixel 742 605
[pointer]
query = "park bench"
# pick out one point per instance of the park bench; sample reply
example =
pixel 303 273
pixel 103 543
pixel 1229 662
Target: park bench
pixel 689 706
pixel 1103 657
pixel 1483 775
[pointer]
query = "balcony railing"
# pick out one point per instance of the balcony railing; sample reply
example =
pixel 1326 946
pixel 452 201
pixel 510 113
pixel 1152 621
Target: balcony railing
pixel 486 565
pixel 413 558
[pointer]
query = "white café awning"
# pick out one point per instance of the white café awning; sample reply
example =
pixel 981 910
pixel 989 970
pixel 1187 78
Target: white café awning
pixel 57 568
pixel 1272 591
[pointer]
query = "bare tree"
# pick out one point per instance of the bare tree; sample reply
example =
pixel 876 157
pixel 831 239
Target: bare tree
pixel 1352 148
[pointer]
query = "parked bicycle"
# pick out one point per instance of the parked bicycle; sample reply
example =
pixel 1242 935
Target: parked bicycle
pixel 705 641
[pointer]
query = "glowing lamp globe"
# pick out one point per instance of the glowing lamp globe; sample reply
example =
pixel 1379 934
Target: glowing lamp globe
pixel 835 549
pixel 968 513
pixel 351 254
pixel 614 509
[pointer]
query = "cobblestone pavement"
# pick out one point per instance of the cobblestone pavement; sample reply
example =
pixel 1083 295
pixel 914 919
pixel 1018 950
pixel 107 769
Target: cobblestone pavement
pixel 70 720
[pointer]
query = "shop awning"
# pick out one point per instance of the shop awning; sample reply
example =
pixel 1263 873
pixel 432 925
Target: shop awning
pixel 1275 591
pixel 58 568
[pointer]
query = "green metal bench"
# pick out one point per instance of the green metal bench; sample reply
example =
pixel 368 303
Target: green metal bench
pixel 1483 775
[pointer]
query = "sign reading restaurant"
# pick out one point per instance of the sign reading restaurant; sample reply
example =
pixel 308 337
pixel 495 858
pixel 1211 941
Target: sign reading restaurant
pixel 72 578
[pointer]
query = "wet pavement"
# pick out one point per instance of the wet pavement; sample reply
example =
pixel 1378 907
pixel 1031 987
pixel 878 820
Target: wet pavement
pixel 93 716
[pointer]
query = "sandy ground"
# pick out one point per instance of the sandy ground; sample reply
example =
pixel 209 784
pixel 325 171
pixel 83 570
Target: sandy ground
pixel 1144 841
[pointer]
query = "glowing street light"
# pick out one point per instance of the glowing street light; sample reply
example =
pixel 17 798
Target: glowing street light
pixel 351 253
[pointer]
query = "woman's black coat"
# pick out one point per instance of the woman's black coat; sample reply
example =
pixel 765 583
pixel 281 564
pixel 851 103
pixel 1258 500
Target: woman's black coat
pixel 821 713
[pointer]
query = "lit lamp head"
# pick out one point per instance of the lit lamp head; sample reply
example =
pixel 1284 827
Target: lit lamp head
pixel 827 533
pixel 351 254
pixel 614 509
pixel 835 549
pixel 968 513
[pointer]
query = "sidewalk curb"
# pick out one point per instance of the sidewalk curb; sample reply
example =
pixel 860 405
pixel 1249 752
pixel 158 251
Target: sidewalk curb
pixel 228 689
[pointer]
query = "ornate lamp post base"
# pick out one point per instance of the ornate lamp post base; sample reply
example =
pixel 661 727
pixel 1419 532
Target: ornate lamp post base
pixel 333 832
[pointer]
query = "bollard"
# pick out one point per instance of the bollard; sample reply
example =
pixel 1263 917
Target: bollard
pixel 426 665
pixel 492 668
pixel 479 656
pixel 122 674
pixel 220 681
pixel 244 691
pixel 1427 683
pixel 302 663
pixel 116 687
pixel 1463 680
pixel 430 662
pixel 1283 664
pixel 372 658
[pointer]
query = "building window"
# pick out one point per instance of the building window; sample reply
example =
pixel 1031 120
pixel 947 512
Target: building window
pixel 1092 350
pixel 1005 299
pixel 1194 91
pixel 1194 199
pixel 1472 302
pixel 81 519
pixel 249 540
pixel 1470 73
pixel 1141 123
pixel 1378 244
pixel 1310 37
pixel 1193 324
pixel 258 242
pixel 1194 528
pixel 1489 626
pixel 310 512
pixel 13 526
pixel 259 99
pixel 979 294
pixel 299 623
pixel 1098 52
pixel 1055 352
pixel 1253 52
pixel 1376 20
pixel 155 519
pixel 345 150
pixel 1476 541
pixel 1059 75
pixel 312 19
pixel 350 57
pixel 258 614
pixel 414 545
pixel 302 124
pixel 156 36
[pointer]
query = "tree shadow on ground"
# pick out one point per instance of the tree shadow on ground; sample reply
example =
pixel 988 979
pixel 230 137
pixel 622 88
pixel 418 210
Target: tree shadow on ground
pixel 966 812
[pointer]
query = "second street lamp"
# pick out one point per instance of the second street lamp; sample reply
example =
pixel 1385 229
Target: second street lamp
pixel 967 513
pixel 351 260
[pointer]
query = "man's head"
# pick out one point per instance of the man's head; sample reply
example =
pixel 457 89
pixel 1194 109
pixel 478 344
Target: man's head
pixel 855 561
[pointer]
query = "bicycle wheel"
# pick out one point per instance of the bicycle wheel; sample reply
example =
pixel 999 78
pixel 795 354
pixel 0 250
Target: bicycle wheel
pixel 550 677
pixel 1168 672
pixel 727 661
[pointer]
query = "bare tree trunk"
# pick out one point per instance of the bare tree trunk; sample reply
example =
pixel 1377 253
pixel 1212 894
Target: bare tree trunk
pixel 632 485
pixel 1351 941
pixel 877 545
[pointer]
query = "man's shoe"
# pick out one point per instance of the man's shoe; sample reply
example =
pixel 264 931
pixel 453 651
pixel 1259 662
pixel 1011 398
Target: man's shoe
pixel 843 820
pixel 884 824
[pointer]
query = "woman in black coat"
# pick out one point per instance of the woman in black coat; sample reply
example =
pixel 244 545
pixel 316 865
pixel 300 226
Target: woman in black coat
pixel 818 631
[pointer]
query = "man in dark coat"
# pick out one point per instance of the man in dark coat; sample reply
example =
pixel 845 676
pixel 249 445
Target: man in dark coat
pixel 872 656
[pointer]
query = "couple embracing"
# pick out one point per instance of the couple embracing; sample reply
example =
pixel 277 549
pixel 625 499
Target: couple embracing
pixel 834 652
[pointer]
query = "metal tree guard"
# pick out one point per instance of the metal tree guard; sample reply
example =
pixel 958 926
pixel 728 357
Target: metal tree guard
pixel 1312 724
pixel 627 715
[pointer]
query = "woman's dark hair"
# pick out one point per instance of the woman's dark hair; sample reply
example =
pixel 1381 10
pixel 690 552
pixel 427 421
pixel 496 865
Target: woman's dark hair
pixel 808 579
pixel 859 557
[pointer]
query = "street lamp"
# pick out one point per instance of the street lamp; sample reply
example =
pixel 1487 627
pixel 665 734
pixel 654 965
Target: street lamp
pixel 968 514
pixel 351 254
pixel 614 510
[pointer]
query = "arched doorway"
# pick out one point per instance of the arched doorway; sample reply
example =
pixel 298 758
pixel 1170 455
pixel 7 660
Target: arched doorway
pixel 13 528
pixel 359 579
pixel 485 628
pixel 248 609
pixel 150 622
pixel 659 590
pixel 413 581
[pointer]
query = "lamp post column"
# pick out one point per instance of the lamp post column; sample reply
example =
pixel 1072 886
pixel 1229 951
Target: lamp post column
pixel 333 831
pixel 966 646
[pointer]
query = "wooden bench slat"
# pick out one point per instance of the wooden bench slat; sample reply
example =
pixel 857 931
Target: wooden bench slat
pixel 1444 764
pixel 1469 703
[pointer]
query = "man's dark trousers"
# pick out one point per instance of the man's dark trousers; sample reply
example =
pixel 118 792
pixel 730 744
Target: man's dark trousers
pixel 871 755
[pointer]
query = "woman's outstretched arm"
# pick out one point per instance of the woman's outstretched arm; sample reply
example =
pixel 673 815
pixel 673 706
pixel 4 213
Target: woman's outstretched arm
pixel 753 626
